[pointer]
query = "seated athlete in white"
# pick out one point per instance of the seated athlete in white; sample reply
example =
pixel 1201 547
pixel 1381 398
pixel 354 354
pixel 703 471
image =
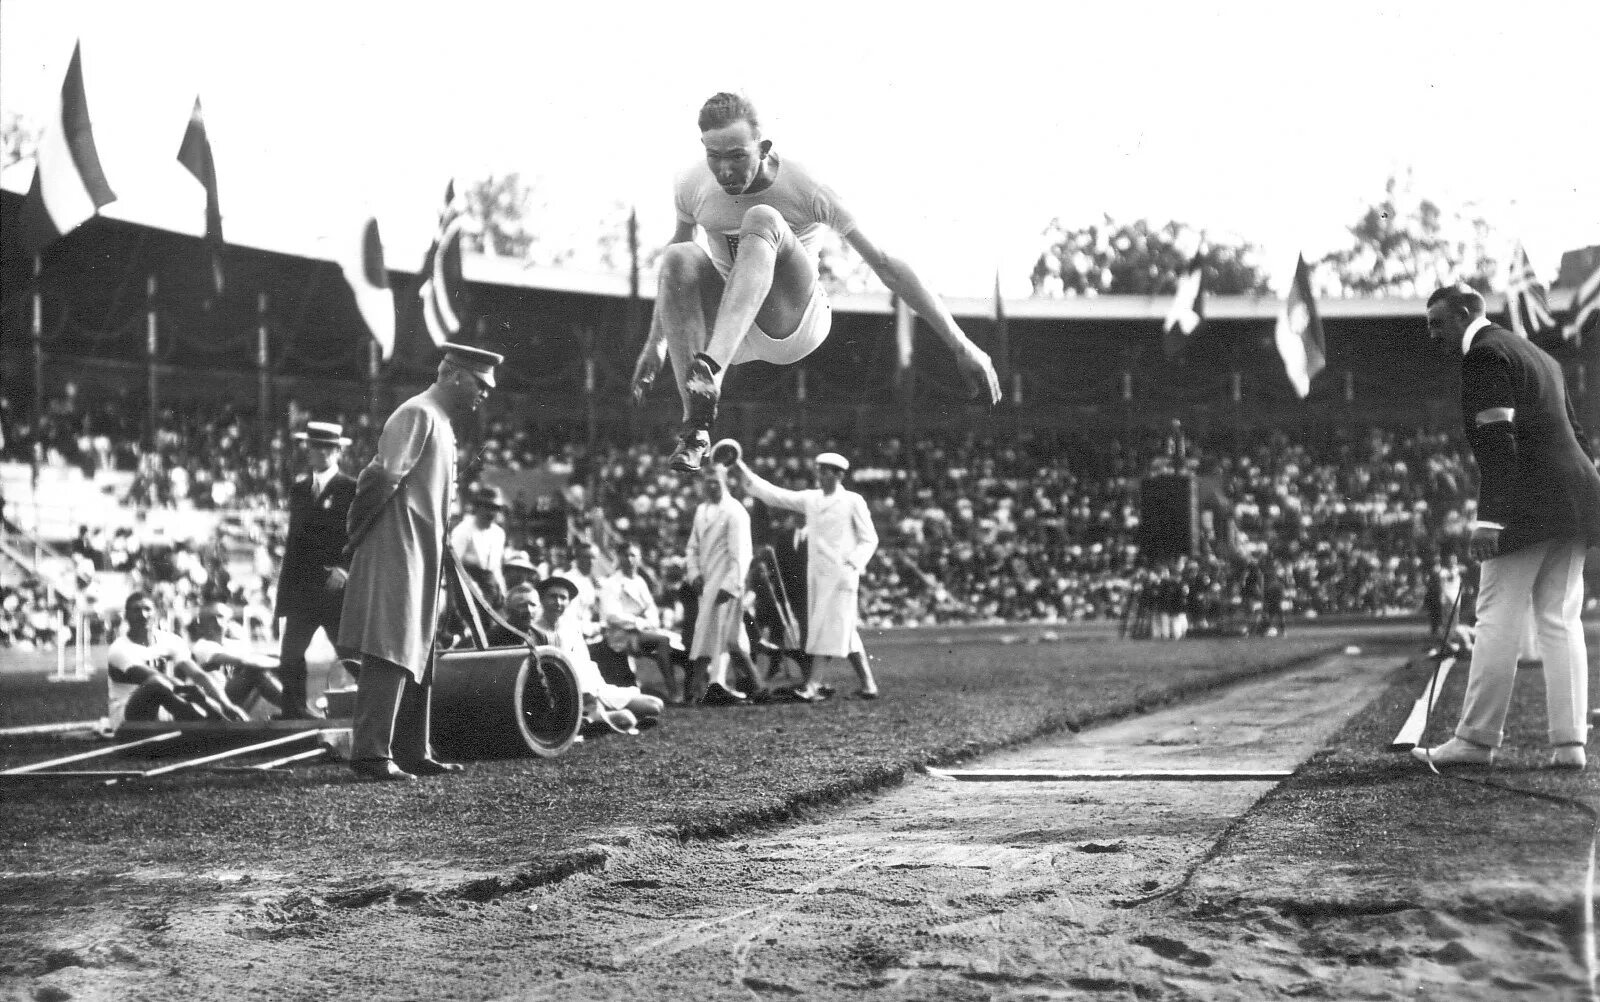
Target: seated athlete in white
pixel 756 294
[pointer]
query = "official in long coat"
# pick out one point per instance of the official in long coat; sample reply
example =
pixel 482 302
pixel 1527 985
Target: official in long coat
pixel 1538 509
pixel 718 565
pixel 311 580
pixel 398 526
pixel 840 539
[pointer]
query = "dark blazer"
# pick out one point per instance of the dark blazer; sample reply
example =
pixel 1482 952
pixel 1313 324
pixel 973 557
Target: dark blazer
pixel 1536 478
pixel 317 536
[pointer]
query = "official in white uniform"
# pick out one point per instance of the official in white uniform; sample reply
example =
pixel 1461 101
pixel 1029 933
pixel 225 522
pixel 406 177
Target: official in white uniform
pixel 840 539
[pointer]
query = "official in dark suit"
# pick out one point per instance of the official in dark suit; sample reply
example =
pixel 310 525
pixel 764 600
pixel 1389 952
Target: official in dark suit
pixel 1538 509
pixel 311 582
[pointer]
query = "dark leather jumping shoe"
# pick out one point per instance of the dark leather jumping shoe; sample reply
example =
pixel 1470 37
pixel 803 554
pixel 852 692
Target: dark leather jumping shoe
pixel 691 450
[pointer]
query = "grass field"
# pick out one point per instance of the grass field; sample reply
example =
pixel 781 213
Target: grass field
pixel 703 772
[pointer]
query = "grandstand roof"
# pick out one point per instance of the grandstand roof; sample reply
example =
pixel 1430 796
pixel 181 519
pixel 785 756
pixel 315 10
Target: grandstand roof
pixel 511 273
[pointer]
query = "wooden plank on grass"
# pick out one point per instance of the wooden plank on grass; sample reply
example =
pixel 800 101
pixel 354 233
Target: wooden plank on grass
pixel 296 757
pixel 72 774
pixel 1411 731
pixel 66 727
pixel 97 753
pixel 1112 775
pixel 232 753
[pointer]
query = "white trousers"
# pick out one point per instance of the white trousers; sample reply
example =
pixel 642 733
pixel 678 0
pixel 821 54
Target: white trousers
pixel 1552 573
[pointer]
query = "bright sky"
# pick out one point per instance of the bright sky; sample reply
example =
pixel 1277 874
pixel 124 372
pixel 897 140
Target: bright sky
pixel 955 134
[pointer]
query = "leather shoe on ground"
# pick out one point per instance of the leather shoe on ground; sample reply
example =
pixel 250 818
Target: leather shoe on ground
pixel 865 694
pixel 721 695
pixel 691 450
pixel 1456 751
pixel 380 770
pixel 433 767
pixel 1568 757
pixel 703 392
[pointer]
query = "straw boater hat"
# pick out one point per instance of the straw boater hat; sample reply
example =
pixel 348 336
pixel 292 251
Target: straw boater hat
pixel 323 433
pixel 475 360
pixel 834 460
pixel 489 497
pixel 561 580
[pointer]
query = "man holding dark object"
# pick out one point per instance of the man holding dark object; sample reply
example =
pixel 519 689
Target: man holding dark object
pixel 311 581
pixel 397 545
pixel 840 539
pixel 1538 508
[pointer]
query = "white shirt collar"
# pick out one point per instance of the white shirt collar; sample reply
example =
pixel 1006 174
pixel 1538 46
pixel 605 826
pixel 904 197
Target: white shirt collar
pixel 319 480
pixel 1472 332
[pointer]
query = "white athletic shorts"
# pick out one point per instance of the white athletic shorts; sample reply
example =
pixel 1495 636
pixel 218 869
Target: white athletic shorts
pixel 813 329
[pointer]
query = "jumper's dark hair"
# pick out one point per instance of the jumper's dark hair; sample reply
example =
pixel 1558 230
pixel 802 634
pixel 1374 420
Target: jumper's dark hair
pixel 1459 296
pixel 722 110
pixel 133 599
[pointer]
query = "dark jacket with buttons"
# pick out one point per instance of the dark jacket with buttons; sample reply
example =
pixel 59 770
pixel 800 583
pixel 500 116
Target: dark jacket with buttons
pixel 1536 479
pixel 317 537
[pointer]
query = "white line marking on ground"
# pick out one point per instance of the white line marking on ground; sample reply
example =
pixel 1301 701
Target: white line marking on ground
pixel 1112 775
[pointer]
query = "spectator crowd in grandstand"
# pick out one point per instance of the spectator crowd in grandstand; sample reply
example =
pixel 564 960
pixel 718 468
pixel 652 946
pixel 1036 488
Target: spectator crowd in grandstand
pixel 1035 528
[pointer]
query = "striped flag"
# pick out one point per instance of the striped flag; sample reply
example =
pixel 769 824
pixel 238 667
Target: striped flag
pixel 1585 306
pixel 443 290
pixel 195 154
pixel 69 185
pixel 362 264
pixel 1188 309
pixel 1299 332
pixel 1525 299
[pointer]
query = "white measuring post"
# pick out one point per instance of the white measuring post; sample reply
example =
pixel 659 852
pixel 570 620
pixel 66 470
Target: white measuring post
pixel 81 634
pixel 1411 731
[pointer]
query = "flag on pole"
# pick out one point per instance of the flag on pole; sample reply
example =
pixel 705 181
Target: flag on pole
pixel 443 290
pixel 1585 306
pixel 1299 332
pixel 1188 310
pixel 1525 298
pixel 1002 335
pixel 361 260
pixel 69 185
pixel 195 154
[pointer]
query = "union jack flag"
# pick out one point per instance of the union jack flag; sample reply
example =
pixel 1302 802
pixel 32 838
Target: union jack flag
pixel 1585 306
pixel 1525 298
pixel 443 290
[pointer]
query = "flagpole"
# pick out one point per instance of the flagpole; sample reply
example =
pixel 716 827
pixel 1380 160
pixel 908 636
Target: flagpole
pixel 587 335
pixel 38 342
pixel 150 346
pixel 374 368
pixel 263 378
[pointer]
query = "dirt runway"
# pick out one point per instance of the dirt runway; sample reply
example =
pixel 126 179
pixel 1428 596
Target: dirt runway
pixel 940 888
